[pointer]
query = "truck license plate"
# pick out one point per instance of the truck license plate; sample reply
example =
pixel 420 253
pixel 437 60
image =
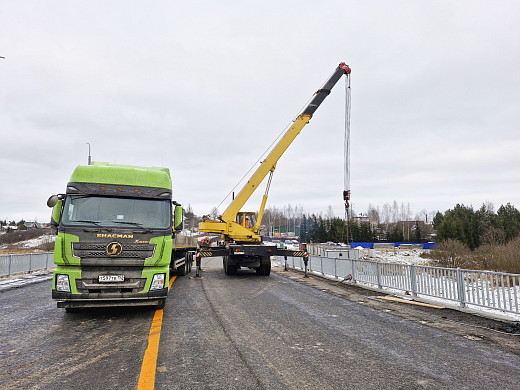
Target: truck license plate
pixel 111 278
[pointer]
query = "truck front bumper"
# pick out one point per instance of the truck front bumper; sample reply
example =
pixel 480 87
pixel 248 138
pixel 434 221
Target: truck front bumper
pixel 69 300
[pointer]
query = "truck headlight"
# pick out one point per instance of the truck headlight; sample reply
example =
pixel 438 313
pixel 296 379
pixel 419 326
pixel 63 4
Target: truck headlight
pixel 62 283
pixel 158 281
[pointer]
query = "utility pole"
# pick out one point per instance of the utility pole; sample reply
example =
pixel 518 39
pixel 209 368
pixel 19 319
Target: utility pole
pixel 89 158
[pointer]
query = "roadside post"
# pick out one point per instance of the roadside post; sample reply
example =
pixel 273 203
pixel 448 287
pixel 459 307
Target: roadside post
pixel 197 266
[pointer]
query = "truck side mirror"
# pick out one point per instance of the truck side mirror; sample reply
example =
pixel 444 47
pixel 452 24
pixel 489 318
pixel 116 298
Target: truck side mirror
pixel 178 218
pixel 56 213
pixel 53 199
pixel 56 202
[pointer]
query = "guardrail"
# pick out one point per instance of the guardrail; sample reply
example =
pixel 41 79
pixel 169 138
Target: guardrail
pixel 491 290
pixel 27 262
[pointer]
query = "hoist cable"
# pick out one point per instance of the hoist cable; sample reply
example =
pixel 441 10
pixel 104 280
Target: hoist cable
pixel 347 134
pixel 346 187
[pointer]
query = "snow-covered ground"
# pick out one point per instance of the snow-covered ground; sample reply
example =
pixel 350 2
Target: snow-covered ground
pixel 24 280
pixel 487 292
pixel 35 242
pixel 32 243
pixel 412 256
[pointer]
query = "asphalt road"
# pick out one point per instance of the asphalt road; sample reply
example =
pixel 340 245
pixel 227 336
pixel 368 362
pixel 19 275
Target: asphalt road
pixel 43 347
pixel 253 332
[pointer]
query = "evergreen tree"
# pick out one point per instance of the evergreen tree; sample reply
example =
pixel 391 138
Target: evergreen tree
pixel 437 220
pixel 322 235
pixel 418 232
pixel 365 232
pixel 508 220
pixel 461 224
pixel 395 234
pixel 354 229
pixel 337 230
pixel 303 230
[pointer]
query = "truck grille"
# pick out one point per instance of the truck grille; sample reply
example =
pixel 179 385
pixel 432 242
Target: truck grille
pixel 91 286
pixel 97 250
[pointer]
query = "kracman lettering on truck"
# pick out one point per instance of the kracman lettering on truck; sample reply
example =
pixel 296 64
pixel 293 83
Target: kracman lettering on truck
pixel 105 235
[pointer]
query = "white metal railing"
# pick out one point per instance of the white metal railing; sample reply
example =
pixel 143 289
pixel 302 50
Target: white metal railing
pixel 492 290
pixel 27 262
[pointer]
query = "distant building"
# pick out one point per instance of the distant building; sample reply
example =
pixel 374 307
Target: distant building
pixel 8 227
pixel 364 219
pixel 33 225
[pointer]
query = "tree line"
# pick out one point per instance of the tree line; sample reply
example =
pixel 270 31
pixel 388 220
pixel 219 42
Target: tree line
pixel 479 227
pixel 392 222
pixel 318 229
pixel 395 223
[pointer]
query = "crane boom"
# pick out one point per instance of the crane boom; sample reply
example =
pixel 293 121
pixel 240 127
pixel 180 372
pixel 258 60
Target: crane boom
pixel 226 225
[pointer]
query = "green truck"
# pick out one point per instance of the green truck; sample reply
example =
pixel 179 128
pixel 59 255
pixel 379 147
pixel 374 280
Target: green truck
pixel 119 237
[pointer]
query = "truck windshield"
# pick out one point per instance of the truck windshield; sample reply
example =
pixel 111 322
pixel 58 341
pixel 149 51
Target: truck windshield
pixel 80 210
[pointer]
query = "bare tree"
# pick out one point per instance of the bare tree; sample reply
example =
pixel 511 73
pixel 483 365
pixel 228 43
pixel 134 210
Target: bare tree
pixel 373 213
pixel 422 216
pixel 214 213
pixel 387 214
pixel 395 212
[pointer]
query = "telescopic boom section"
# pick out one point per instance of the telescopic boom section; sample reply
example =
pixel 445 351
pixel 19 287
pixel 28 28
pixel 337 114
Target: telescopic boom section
pixel 228 227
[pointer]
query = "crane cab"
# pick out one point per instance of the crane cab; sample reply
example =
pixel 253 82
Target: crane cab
pixel 246 219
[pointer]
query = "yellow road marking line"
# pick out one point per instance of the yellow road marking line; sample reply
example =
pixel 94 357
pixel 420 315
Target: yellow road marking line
pixel 395 299
pixel 171 282
pixel 148 368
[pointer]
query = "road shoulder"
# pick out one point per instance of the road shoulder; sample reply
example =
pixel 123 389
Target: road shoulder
pixel 499 334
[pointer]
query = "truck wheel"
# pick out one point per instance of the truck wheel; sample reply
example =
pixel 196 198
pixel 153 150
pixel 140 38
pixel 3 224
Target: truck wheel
pixel 225 264
pixel 181 271
pixel 265 267
pixel 190 261
pixel 229 269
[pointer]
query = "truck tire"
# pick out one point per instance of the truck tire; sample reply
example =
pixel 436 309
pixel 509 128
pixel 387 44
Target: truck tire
pixel 181 271
pixel 189 258
pixel 228 268
pixel 265 267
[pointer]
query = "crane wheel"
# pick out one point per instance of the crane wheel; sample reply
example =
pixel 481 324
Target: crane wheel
pixel 265 267
pixel 228 268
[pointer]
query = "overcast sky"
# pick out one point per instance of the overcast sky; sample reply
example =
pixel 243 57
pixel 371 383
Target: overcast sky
pixel 204 87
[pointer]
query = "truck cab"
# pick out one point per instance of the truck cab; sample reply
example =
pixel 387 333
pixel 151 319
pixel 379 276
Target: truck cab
pixel 116 225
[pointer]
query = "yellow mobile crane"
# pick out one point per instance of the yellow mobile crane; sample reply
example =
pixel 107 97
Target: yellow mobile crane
pixel 240 229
